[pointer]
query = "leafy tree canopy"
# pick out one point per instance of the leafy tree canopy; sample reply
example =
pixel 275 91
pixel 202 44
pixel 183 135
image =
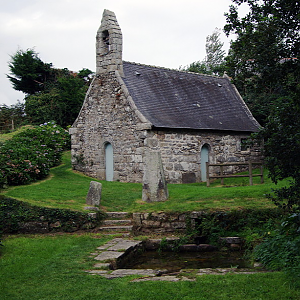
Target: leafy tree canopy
pixel 51 94
pixel 264 63
pixel 264 57
pixel 28 73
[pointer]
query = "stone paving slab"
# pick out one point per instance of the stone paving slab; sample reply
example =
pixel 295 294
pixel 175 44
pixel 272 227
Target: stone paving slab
pixel 123 245
pixel 97 272
pixel 160 278
pixel 107 255
pixel 110 243
pixel 126 272
pixel 102 265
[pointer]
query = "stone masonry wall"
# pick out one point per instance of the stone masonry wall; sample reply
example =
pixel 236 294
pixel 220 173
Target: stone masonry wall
pixel 107 117
pixel 180 152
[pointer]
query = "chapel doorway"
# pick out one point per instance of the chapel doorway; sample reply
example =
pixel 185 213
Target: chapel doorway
pixel 203 160
pixel 109 162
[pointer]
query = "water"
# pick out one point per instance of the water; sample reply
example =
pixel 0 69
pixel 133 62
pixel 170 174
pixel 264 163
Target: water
pixel 175 261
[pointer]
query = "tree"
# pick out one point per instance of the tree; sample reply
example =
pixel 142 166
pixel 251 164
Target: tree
pixel 11 116
pixel 28 72
pixel 264 63
pixel 265 53
pixel 214 53
pixel 213 63
pixel 61 101
pixel 51 94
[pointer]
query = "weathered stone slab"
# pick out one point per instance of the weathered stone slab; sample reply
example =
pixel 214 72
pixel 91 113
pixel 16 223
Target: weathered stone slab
pixel 159 278
pixel 126 272
pixel 117 215
pixel 108 255
pixel 102 266
pixel 98 272
pixel 94 194
pixel 91 208
pixel 123 245
pixel 154 183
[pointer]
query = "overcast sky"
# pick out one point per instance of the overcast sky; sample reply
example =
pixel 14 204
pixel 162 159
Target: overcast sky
pixel 166 33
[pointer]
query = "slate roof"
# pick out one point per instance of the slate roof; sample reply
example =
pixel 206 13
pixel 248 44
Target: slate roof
pixel 176 99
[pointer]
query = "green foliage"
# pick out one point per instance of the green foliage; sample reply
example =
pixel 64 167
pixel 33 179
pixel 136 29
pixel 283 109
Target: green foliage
pixel 243 222
pixel 13 213
pixel 264 63
pixel 60 101
pixel 30 154
pixel 281 249
pixel 264 56
pixel 51 94
pixel 282 154
pixel 174 244
pixel 28 72
pixel 11 117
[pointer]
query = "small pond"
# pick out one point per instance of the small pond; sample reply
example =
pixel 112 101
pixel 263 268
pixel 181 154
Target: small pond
pixel 175 261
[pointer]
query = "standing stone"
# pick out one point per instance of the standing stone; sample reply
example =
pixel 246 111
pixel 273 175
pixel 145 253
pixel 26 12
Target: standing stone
pixel 94 194
pixel 154 183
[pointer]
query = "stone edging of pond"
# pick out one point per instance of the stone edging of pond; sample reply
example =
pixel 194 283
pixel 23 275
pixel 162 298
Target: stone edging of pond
pixel 113 255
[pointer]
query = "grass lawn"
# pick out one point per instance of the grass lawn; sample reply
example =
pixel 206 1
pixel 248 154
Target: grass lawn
pixel 68 189
pixel 52 267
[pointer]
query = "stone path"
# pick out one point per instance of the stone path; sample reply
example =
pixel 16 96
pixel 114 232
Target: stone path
pixel 111 256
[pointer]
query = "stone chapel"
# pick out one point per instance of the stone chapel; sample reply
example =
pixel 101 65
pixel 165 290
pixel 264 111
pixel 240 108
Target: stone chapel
pixel 131 108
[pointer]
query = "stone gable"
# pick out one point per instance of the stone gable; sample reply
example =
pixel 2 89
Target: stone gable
pixel 108 117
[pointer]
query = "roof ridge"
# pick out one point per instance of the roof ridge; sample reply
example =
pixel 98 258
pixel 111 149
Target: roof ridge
pixel 176 70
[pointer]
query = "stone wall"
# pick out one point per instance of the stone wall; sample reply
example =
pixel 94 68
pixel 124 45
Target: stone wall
pixel 161 222
pixel 109 115
pixel 180 151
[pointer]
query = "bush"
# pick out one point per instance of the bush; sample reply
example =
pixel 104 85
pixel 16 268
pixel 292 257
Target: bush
pixel 242 222
pixel 29 155
pixel 281 249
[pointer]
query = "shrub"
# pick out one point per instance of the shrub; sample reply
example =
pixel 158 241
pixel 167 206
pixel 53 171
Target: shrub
pixel 237 222
pixel 29 155
pixel 281 249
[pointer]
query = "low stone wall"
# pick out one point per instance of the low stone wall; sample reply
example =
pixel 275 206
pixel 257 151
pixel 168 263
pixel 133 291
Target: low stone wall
pixel 161 222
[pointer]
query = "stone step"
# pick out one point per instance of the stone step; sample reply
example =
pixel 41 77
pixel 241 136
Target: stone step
pixel 118 215
pixel 117 222
pixel 116 228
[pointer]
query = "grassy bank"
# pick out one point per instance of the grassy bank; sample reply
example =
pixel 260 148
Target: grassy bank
pixel 65 188
pixel 52 267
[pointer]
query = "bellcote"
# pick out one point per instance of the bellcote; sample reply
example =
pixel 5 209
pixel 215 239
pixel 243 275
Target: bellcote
pixel 109 45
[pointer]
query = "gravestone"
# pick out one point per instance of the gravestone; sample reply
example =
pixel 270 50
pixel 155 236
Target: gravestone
pixel 94 194
pixel 154 183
